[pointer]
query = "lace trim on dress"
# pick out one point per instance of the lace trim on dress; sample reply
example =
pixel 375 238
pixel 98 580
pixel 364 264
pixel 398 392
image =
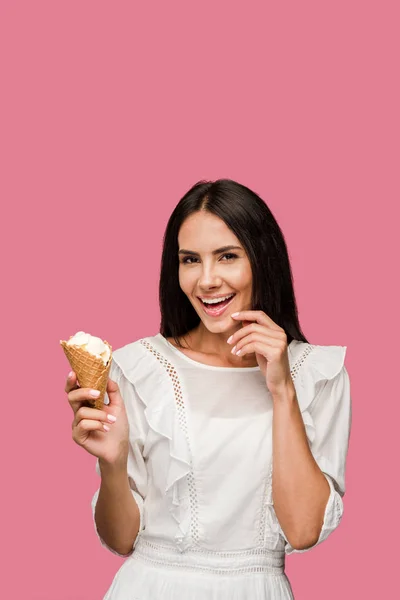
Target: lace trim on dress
pixel 254 560
pixel 181 410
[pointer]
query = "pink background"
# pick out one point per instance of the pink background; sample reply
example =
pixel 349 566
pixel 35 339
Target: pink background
pixel 110 112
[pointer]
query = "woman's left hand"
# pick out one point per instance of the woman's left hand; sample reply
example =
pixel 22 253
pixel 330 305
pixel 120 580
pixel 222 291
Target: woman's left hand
pixel 261 335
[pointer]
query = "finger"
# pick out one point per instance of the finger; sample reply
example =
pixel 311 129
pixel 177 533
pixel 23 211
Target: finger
pixel 256 315
pixel 85 426
pixel 78 396
pixel 254 328
pixel 255 346
pixel 113 393
pixel 72 382
pixel 255 338
pixel 94 414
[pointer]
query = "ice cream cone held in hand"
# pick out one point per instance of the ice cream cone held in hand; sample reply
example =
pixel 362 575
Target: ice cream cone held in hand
pixel 90 358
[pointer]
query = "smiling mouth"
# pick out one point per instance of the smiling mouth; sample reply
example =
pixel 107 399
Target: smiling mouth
pixel 216 307
pixel 214 303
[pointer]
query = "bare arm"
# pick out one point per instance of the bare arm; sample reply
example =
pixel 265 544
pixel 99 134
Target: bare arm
pixel 300 490
pixel 117 515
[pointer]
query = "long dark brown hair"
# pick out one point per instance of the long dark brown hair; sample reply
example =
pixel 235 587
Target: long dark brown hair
pixel 252 222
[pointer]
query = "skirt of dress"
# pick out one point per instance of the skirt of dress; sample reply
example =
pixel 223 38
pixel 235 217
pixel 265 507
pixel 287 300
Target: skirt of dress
pixel 160 572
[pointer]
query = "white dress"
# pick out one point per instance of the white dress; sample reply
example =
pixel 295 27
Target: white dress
pixel 200 468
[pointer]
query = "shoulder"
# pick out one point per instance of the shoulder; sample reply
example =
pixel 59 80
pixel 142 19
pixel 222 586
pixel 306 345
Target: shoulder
pixel 322 362
pixel 147 358
pixel 313 368
pixel 313 365
pixel 143 368
pixel 134 356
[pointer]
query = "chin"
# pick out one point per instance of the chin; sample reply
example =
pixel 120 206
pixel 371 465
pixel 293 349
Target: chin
pixel 225 324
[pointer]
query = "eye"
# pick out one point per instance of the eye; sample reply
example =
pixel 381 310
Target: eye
pixel 229 255
pixel 185 260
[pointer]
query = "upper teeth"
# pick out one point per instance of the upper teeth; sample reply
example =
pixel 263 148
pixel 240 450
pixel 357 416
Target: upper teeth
pixel 215 300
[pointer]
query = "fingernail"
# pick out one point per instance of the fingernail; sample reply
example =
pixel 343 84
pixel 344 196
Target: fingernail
pixel 228 341
pixel 95 393
pixel 111 418
pixel 106 427
pixel 234 314
pixel 233 350
pixel 70 374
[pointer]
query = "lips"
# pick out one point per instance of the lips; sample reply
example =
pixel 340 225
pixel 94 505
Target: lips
pixel 215 310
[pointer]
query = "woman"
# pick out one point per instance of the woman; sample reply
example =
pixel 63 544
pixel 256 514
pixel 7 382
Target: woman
pixel 224 442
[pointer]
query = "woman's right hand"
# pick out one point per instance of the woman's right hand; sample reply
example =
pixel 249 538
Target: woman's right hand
pixel 89 424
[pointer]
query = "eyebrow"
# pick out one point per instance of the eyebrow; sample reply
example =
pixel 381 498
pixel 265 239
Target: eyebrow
pixel 217 251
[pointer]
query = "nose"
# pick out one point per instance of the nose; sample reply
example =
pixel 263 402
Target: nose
pixel 209 276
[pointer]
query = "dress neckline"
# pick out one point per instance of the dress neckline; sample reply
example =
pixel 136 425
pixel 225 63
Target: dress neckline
pixel 211 367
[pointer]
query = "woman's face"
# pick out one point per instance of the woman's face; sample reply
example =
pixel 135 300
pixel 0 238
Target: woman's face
pixel 206 270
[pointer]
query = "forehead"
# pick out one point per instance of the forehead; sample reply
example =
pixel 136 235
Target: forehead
pixel 206 230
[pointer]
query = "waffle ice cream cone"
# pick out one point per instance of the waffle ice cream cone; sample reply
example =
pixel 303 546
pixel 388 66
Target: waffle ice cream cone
pixel 90 369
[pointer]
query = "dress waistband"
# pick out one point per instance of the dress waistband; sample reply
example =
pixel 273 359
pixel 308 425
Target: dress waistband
pixel 235 562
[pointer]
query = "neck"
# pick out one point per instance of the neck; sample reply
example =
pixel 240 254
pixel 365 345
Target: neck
pixel 204 341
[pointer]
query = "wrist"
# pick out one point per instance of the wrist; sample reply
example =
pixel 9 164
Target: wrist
pixel 285 394
pixel 113 468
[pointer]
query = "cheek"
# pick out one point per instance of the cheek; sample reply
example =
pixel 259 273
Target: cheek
pixel 241 278
pixel 185 280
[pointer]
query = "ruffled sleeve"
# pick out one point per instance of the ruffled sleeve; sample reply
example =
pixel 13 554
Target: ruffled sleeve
pixel 323 392
pixel 157 384
pixel 137 474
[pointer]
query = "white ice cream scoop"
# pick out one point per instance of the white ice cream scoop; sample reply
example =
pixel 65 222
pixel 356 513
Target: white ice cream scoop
pixel 92 344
